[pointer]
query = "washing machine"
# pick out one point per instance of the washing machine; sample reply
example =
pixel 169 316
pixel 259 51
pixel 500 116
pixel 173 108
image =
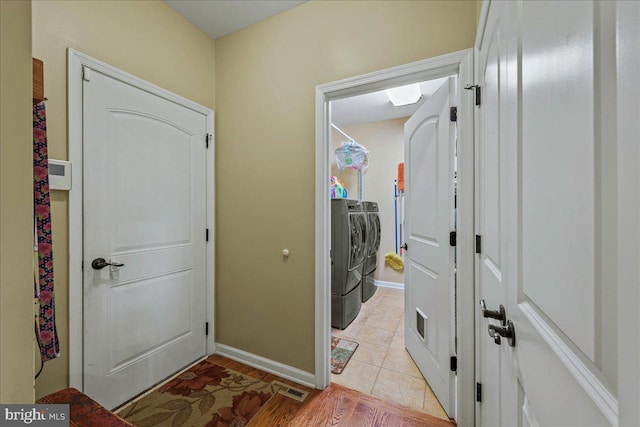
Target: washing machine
pixel 348 251
pixel 372 241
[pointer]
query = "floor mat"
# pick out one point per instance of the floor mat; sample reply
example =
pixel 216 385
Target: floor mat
pixel 341 352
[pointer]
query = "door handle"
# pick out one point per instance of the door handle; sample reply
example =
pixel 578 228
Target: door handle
pixel 405 247
pixel 497 332
pixel 499 314
pixel 100 263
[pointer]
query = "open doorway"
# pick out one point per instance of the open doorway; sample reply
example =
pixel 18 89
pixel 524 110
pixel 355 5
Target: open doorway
pixel 369 353
pixel 460 406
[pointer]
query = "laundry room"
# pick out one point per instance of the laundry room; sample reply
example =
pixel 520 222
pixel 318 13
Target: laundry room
pixel 383 142
pixel 368 246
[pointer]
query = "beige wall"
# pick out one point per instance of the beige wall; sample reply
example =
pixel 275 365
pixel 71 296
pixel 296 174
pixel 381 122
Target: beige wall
pixel 16 211
pixel 145 38
pixel 384 140
pixel 265 80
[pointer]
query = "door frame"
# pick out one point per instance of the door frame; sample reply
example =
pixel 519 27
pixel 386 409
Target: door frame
pixel 460 62
pixel 75 62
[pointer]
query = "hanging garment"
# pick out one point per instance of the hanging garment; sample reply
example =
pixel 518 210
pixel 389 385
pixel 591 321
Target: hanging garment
pixel 46 333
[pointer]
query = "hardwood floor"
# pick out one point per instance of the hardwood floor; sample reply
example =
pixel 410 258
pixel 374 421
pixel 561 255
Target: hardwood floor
pixel 335 406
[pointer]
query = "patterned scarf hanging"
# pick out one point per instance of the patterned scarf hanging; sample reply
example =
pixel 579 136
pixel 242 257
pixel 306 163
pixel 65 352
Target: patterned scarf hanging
pixel 46 333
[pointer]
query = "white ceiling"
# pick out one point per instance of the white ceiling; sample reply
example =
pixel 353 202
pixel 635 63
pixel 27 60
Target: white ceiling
pixel 218 18
pixel 375 106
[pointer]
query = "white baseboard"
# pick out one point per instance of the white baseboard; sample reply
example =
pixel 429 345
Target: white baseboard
pixel 280 369
pixel 394 285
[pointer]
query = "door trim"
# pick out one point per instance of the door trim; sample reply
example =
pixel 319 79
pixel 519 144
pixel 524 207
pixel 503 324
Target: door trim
pixel 460 62
pixel 628 128
pixel 75 62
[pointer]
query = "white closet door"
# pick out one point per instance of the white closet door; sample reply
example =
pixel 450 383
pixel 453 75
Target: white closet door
pixel 144 207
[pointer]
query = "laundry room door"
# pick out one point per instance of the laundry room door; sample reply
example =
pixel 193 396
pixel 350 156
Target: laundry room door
pixel 545 216
pixel 144 202
pixel 429 147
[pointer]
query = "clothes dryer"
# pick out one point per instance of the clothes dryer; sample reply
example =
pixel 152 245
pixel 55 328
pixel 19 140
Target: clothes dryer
pixel 348 251
pixel 372 241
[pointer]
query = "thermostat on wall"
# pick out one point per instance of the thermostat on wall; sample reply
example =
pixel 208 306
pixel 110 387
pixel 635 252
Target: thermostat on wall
pixel 59 175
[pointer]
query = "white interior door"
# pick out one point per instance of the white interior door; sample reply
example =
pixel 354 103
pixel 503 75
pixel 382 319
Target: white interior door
pixel 144 207
pixel 493 185
pixel 429 147
pixel 545 211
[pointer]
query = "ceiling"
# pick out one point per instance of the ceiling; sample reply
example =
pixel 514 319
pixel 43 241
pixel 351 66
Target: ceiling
pixel 218 18
pixel 375 106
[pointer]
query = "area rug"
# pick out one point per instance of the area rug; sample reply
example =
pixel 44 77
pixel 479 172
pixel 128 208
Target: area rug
pixel 206 395
pixel 341 352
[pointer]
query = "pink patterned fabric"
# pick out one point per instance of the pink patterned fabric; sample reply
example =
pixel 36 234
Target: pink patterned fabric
pixel 46 329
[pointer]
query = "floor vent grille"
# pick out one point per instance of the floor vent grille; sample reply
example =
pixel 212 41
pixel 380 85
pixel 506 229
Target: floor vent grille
pixel 289 391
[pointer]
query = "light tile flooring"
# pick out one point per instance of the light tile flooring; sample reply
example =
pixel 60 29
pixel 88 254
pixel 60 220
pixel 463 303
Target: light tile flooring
pixel 381 366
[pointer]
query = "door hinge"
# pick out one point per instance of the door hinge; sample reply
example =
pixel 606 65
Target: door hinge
pixel 208 138
pixel 453 238
pixel 86 74
pixel 453 364
pixel 206 329
pixel 478 244
pixel 478 392
pixel 206 234
pixel 453 114
pixel 478 92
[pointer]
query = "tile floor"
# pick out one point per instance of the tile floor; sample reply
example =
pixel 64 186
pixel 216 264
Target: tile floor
pixel 381 366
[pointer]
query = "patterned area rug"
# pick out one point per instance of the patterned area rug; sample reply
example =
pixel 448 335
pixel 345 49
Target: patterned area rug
pixel 341 352
pixel 206 395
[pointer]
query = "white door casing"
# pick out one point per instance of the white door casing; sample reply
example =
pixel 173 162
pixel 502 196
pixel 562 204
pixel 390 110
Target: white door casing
pixel 147 202
pixel 429 147
pixel 545 209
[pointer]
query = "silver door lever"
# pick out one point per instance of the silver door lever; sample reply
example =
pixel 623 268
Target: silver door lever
pixel 508 331
pixel 499 314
